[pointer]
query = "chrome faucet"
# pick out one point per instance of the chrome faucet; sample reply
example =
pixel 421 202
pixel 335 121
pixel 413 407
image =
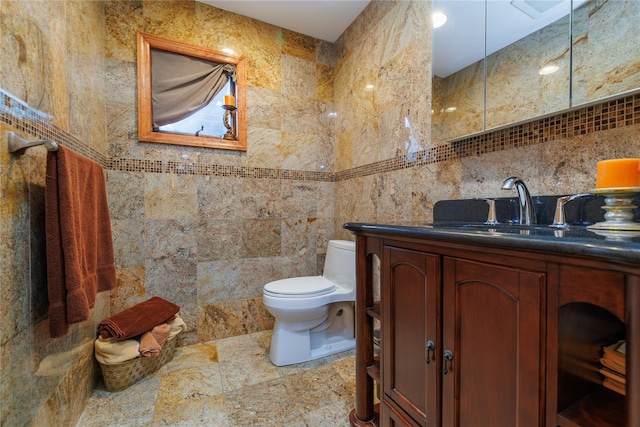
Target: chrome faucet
pixel 527 213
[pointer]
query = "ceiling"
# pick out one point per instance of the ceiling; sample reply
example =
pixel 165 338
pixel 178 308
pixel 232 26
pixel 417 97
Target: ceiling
pixel 322 19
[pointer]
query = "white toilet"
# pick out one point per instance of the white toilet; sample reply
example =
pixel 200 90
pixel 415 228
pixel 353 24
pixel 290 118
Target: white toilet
pixel 314 316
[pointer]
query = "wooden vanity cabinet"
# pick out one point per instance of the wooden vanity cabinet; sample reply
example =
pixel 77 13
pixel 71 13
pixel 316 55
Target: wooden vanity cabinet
pixel 481 336
pixel 490 330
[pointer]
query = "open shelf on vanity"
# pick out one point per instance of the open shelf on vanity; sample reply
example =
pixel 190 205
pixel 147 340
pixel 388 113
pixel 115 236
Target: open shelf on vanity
pixel 374 370
pixel 374 310
pixel 585 329
pixel 601 408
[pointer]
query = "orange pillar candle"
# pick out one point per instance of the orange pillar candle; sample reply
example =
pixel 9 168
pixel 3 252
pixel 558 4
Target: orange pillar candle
pixel 617 173
pixel 229 100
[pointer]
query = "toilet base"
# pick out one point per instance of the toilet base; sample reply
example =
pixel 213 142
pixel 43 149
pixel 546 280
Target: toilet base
pixel 332 335
pixel 333 348
pixel 300 349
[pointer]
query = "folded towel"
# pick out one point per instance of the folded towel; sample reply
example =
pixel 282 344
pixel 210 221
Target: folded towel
pixel 109 351
pixel 79 245
pixel 138 319
pixel 177 325
pixel 149 347
pixel 615 386
pixel 161 333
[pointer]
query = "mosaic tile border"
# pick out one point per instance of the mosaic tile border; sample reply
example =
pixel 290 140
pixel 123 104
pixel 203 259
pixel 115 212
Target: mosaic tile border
pixel 19 115
pixel 612 114
pixel 604 116
pixel 161 166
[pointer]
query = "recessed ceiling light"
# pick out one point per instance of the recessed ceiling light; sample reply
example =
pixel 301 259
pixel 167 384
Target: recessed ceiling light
pixel 549 69
pixel 332 114
pixel 439 19
pixel 450 109
pixel 369 86
pixel 229 51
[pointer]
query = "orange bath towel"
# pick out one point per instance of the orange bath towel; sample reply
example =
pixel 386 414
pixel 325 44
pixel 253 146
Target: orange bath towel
pixel 79 245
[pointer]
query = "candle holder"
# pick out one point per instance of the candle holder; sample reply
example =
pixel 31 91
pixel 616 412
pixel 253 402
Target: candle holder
pixel 226 118
pixel 618 204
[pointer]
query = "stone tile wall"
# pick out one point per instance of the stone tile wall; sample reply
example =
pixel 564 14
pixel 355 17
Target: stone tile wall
pixel 388 177
pixel 207 228
pixel 47 64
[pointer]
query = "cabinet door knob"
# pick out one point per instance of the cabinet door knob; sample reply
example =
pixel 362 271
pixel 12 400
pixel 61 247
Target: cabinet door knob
pixel 431 347
pixel 448 357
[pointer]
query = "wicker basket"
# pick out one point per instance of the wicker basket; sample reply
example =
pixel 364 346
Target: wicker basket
pixel 122 375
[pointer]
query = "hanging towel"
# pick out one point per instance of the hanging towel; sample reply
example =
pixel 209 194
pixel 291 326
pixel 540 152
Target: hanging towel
pixel 138 319
pixel 79 245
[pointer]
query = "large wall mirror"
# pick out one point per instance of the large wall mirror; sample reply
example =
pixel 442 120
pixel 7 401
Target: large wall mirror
pixel 458 69
pixel 606 49
pixel 501 62
pixel 190 95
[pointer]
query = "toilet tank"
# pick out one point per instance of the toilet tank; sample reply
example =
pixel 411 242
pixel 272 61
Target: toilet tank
pixel 340 263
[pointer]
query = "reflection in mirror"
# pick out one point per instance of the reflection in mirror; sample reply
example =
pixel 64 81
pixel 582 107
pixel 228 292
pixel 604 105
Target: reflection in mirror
pixel 190 95
pixel 458 70
pixel 528 60
pixel 606 49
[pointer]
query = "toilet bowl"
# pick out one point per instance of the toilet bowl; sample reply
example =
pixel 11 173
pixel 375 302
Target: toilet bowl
pixel 314 315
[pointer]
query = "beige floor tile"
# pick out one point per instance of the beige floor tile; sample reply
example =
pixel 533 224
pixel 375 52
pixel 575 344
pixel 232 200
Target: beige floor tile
pixel 231 383
pixel 320 387
pixel 202 411
pixel 266 404
pixel 193 356
pixel 346 368
pixel 244 362
pixel 133 406
pixel 328 416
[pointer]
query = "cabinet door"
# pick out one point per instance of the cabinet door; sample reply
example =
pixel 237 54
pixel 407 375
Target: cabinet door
pixel 492 327
pixel 410 291
pixel 392 417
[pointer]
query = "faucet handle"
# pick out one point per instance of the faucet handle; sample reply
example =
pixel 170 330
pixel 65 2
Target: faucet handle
pixel 559 220
pixel 491 217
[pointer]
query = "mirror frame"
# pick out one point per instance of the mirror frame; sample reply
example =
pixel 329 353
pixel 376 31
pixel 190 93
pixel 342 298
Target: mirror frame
pixel 145 43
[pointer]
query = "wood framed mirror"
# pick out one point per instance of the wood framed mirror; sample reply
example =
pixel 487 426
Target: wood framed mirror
pixel 213 123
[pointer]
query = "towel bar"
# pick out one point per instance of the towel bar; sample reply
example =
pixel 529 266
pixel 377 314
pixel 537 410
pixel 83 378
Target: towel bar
pixel 17 143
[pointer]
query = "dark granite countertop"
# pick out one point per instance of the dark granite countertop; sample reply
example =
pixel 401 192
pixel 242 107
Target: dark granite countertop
pixel 576 240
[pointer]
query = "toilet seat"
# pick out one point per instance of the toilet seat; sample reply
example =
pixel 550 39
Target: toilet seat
pixel 300 287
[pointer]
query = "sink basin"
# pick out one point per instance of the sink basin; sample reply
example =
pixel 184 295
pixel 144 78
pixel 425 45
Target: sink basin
pixel 537 229
pixel 509 227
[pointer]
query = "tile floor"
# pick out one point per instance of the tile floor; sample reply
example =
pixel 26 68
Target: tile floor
pixel 231 383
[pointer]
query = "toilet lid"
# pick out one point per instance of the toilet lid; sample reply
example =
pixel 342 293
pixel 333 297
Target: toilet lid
pixel 300 287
